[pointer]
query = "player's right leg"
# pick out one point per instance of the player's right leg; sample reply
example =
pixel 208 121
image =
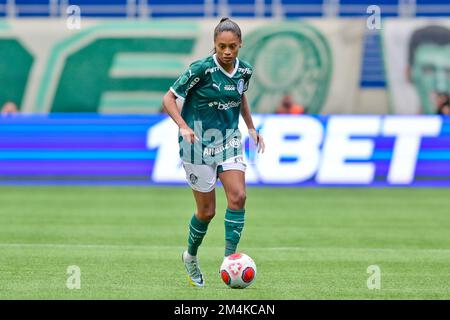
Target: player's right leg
pixel 232 176
pixel 202 179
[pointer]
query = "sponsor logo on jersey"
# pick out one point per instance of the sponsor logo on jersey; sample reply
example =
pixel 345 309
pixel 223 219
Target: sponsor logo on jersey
pixel 233 143
pixel 211 70
pixel 240 86
pixel 229 87
pixel 245 70
pixel 228 105
pixel 193 83
pixel 224 106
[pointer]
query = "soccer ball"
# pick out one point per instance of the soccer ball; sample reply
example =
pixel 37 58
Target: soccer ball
pixel 238 270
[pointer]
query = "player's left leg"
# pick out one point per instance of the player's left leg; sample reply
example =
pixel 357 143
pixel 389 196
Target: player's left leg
pixel 233 180
pixel 202 179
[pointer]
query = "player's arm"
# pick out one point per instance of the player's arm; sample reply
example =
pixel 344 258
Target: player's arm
pixel 180 89
pixel 170 105
pixel 247 116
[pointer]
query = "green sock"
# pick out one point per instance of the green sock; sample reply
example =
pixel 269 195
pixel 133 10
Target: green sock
pixel 197 231
pixel 234 223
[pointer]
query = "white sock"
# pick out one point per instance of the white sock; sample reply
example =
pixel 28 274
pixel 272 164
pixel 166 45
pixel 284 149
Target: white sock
pixel 189 257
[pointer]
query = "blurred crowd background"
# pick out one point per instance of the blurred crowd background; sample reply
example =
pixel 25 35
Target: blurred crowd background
pixel 310 56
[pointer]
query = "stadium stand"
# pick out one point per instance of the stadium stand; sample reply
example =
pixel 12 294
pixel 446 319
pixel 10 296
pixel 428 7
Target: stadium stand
pixel 98 8
pixel 357 8
pixel 236 8
pixel 2 8
pixel 27 8
pixel 372 75
pixel 305 8
pixel 431 8
pixel 372 72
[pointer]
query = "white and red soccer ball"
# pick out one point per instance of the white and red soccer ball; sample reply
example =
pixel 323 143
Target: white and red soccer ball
pixel 238 270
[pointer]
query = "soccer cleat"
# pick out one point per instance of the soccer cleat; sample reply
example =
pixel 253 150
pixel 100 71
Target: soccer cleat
pixel 195 276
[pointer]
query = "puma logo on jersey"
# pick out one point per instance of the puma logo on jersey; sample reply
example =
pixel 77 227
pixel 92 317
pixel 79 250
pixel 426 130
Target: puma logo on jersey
pixel 217 86
pixel 211 70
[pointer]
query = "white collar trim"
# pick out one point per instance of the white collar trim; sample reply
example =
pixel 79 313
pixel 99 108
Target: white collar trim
pixel 230 75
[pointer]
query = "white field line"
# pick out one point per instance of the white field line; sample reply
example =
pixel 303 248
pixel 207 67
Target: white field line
pixel 113 246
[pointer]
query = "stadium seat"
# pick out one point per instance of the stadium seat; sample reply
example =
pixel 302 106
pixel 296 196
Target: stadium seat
pixel 372 71
pixel 355 8
pixel 237 8
pixel 432 8
pixel 102 8
pixel 245 8
pixel 302 8
pixel 32 8
pixel 2 8
pixel 176 8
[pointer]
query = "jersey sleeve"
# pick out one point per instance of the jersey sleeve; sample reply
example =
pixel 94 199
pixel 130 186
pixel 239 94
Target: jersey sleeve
pixel 247 77
pixel 188 80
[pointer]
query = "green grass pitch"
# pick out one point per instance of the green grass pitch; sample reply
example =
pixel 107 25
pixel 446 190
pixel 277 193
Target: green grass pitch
pixel 307 243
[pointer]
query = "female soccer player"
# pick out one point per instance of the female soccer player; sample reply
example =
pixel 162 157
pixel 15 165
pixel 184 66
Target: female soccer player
pixel 210 142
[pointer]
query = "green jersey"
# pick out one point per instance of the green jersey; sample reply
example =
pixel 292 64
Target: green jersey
pixel 212 103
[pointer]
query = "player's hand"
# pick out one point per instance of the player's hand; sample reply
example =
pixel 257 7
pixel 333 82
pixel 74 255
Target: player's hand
pixel 258 139
pixel 188 134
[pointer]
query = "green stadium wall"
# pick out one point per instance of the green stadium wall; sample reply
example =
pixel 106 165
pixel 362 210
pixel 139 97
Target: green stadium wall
pixel 127 66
